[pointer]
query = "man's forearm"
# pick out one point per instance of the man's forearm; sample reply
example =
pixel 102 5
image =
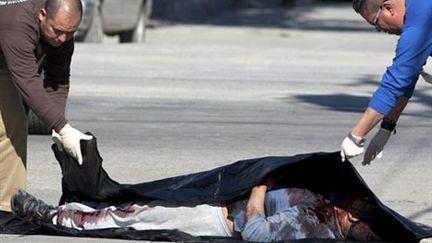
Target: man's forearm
pixel 255 204
pixel 397 110
pixel 368 121
pixel 59 97
pixel 371 117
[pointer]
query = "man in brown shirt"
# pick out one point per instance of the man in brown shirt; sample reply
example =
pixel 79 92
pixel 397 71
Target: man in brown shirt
pixel 29 30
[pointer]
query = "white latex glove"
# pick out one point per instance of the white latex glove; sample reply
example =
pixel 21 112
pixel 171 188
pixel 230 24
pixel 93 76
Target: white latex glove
pixel 70 139
pixel 376 146
pixel 57 139
pixel 349 149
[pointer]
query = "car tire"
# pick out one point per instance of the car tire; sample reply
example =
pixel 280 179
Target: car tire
pixel 137 35
pixel 35 125
pixel 94 33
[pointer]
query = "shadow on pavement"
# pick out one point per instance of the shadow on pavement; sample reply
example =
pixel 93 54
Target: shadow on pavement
pixel 293 14
pixel 337 102
pixel 354 103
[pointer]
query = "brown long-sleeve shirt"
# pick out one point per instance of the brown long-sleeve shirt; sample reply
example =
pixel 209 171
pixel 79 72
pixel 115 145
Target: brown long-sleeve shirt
pixel 21 47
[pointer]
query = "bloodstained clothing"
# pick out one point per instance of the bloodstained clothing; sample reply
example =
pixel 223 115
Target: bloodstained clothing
pixel 201 219
pixel 290 213
pixel 22 47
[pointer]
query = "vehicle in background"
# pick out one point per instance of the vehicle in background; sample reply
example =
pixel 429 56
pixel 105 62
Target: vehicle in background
pixel 126 18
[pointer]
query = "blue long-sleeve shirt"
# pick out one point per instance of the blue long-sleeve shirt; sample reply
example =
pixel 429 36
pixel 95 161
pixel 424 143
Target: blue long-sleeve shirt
pixel 290 213
pixel 413 48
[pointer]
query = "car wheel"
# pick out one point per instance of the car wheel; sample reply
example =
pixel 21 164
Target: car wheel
pixel 94 33
pixel 35 125
pixel 136 35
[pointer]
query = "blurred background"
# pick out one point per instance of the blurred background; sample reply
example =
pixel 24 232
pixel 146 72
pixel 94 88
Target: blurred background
pixel 129 19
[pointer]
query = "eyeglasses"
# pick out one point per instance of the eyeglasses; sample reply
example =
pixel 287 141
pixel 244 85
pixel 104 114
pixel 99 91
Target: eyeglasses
pixel 376 18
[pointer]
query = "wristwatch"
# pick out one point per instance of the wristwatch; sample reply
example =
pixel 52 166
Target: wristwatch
pixel 388 124
pixel 357 141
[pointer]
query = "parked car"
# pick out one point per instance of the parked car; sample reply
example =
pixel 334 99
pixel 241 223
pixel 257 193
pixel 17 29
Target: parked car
pixel 126 18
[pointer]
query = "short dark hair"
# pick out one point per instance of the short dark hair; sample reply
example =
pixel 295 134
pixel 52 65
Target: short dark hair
pixel 358 5
pixel 366 6
pixel 53 6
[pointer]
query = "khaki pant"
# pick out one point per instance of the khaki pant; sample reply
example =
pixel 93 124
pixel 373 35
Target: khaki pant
pixel 13 139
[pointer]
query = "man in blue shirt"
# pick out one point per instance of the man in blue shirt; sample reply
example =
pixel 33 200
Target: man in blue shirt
pixel 412 21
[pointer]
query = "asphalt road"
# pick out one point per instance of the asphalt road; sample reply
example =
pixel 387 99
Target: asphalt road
pixel 259 81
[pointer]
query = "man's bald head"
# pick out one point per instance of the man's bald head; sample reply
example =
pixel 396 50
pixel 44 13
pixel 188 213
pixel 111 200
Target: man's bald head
pixel 53 6
pixel 59 20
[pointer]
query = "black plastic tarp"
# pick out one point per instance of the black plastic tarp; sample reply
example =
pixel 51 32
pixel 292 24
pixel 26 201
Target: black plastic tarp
pixel 323 173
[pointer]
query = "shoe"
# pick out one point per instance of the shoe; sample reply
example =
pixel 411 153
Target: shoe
pixel 30 208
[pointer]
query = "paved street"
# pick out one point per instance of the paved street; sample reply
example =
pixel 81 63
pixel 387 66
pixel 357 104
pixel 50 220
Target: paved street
pixel 263 80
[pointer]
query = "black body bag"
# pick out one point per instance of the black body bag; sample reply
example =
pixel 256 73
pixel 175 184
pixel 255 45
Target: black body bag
pixel 322 173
